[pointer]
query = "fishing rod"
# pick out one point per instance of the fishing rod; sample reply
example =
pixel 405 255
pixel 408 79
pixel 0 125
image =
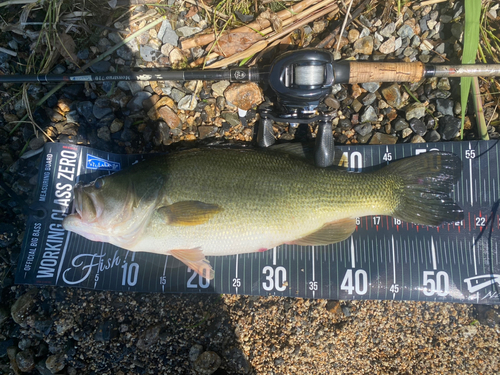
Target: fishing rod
pixel 301 80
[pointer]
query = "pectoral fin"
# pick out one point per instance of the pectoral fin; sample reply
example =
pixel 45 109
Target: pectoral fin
pixel 188 213
pixel 333 232
pixel 194 259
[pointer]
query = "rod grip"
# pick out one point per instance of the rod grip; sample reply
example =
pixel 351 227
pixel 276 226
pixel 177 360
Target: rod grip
pixel 385 72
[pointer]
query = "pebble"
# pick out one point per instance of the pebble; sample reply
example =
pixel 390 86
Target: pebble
pixel 418 126
pixel 332 102
pixel 353 35
pixel 417 139
pixel 432 136
pixel 415 110
pixel 449 126
pixel 444 84
pixel 445 106
pixel 400 124
pixel 369 98
pixel 116 126
pixel 244 95
pixel 21 309
pixel 218 88
pixel 406 31
pixel 177 94
pixel 194 352
pixel 356 105
pixel 25 360
pixel 167 35
pixel 149 337
pixel 371 86
pixel 136 103
pixel 104 133
pixel 232 118
pixel 85 109
pixel 392 95
pixel 369 115
pixel 389 46
pixel 188 103
pixel 363 129
pixel 344 124
pixel 169 116
pixel 207 363
pixel 55 363
pixel 406 133
pixel 125 53
pixel 149 53
pixel 383 139
pixel 388 30
pixel 102 107
pixel 100 67
pixel 364 45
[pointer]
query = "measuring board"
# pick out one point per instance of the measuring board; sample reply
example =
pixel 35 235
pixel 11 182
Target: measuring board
pixel 383 259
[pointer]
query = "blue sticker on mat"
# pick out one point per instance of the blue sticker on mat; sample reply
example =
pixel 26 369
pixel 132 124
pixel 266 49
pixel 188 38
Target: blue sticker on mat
pixel 93 162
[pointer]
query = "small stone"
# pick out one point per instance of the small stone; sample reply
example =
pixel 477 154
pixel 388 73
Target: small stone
pixel 55 363
pixel 186 31
pixel 444 84
pixel 356 105
pixel 445 106
pixel 418 126
pixel 188 103
pixel 37 142
pixel 415 110
pixel 162 134
pixel 194 352
pixel 176 57
pixel 400 124
pixel 406 133
pixel 449 127
pixel 166 34
pixel 21 309
pixel 353 35
pixel 25 360
pixel 102 107
pixel 392 95
pixel 397 44
pixel 125 53
pixel 207 363
pixel 149 53
pixel 244 95
pixel 101 67
pixel 116 126
pixel 218 88
pixel 369 98
pixel 457 30
pixel 417 139
pixel 388 30
pixel 177 94
pixel 136 104
pixel 344 124
pixel 207 131
pixel 232 118
pixel 426 46
pixel 389 46
pixel 432 136
pixel 369 115
pixel 364 45
pixel 363 129
pixel 332 102
pixel 104 133
pixel 406 31
pixel 169 116
pixel 383 139
pixel 371 86
pixel 149 337
pixel 457 108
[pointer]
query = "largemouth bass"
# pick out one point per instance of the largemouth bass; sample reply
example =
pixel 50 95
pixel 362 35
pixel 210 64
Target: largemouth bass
pixel 229 201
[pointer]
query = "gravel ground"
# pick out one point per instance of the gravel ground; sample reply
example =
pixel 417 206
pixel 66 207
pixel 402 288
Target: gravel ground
pixel 51 330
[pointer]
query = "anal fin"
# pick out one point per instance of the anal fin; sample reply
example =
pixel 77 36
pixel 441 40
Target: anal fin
pixel 194 259
pixel 329 233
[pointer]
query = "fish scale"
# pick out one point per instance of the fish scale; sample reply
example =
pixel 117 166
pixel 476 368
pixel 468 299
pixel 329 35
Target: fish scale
pixel 384 258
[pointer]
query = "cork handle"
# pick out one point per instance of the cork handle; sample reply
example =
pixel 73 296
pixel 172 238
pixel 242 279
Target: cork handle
pixel 385 72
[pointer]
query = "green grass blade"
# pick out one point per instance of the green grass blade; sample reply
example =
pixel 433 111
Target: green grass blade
pixel 471 43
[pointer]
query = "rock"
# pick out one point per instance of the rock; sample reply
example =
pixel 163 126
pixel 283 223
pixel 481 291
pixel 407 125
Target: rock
pixel 369 115
pixel 169 116
pixel 25 360
pixel 100 67
pixel 149 53
pixel 383 139
pixel 392 95
pixel 369 98
pixel 21 309
pixel 432 136
pixel 116 126
pixel 195 351
pixel 125 53
pixel 55 363
pixel 167 35
pixel 188 103
pixel 406 31
pixel 457 29
pixel 106 331
pixel 102 107
pixel 418 126
pixel 186 31
pixel 244 95
pixel 136 103
pixel 356 105
pixel 176 57
pixel 332 102
pixel 363 129
pixel 406 133
pixel 162 134
pixel 207 131
pixel 85 109
pixel 218 88
pixel 364 45
pixel 371 86
pixel 353 35
pixel 207 363
pixel 389 46
pixel 4 314
pixel 417 139
pixel 11 353
pixel 232 118
pixel 388 30
pixel 344 124
pixel 104 133
pixel 445 106
pixel 415 110
pixel 400 124
pixel 149 337
pixel 177 94
pixel 444 84
pixel 449 126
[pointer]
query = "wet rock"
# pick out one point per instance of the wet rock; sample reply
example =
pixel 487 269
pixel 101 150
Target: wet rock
pixel 363 129
pixel 125 53
pixel 177 94
pixel 445 106
pixel 383 139
pixel 188 103
pixel 207 363
pixel 369 115
pixel 4 314
pixel 418 126
pixel 25 360
pixel 55 363
pixel 432 136
pixel 449 126
pixel 392 95
pixel 162 134
pixel 195 351
pixel 444 84
pixel 389 46
pixel 400 124
pixel 415 110
pixel 149 337
pixel 344 124
pixel 136 104
pixel 406 133
pixel 356 105
pixel 244 95
pixel 364 45
pixel 23 306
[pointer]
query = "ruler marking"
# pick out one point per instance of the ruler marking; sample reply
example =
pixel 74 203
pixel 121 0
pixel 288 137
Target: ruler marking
pixel 313 270
pixel 274 256
pixel 353 254
pixel 474 253
pixel 393 267
pixel 236 266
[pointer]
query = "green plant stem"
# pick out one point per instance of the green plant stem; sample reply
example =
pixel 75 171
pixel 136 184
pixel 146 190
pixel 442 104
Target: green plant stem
pixel 478 106
pixel 97 59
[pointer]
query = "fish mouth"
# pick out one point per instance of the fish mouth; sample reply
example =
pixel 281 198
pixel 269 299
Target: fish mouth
pixel 86 205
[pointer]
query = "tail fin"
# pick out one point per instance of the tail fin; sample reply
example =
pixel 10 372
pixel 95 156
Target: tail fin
pixel 427 182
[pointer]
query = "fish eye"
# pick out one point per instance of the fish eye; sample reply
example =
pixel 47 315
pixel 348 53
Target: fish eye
pixel 99 183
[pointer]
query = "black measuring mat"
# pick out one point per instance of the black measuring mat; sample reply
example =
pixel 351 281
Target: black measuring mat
pixel 385 258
